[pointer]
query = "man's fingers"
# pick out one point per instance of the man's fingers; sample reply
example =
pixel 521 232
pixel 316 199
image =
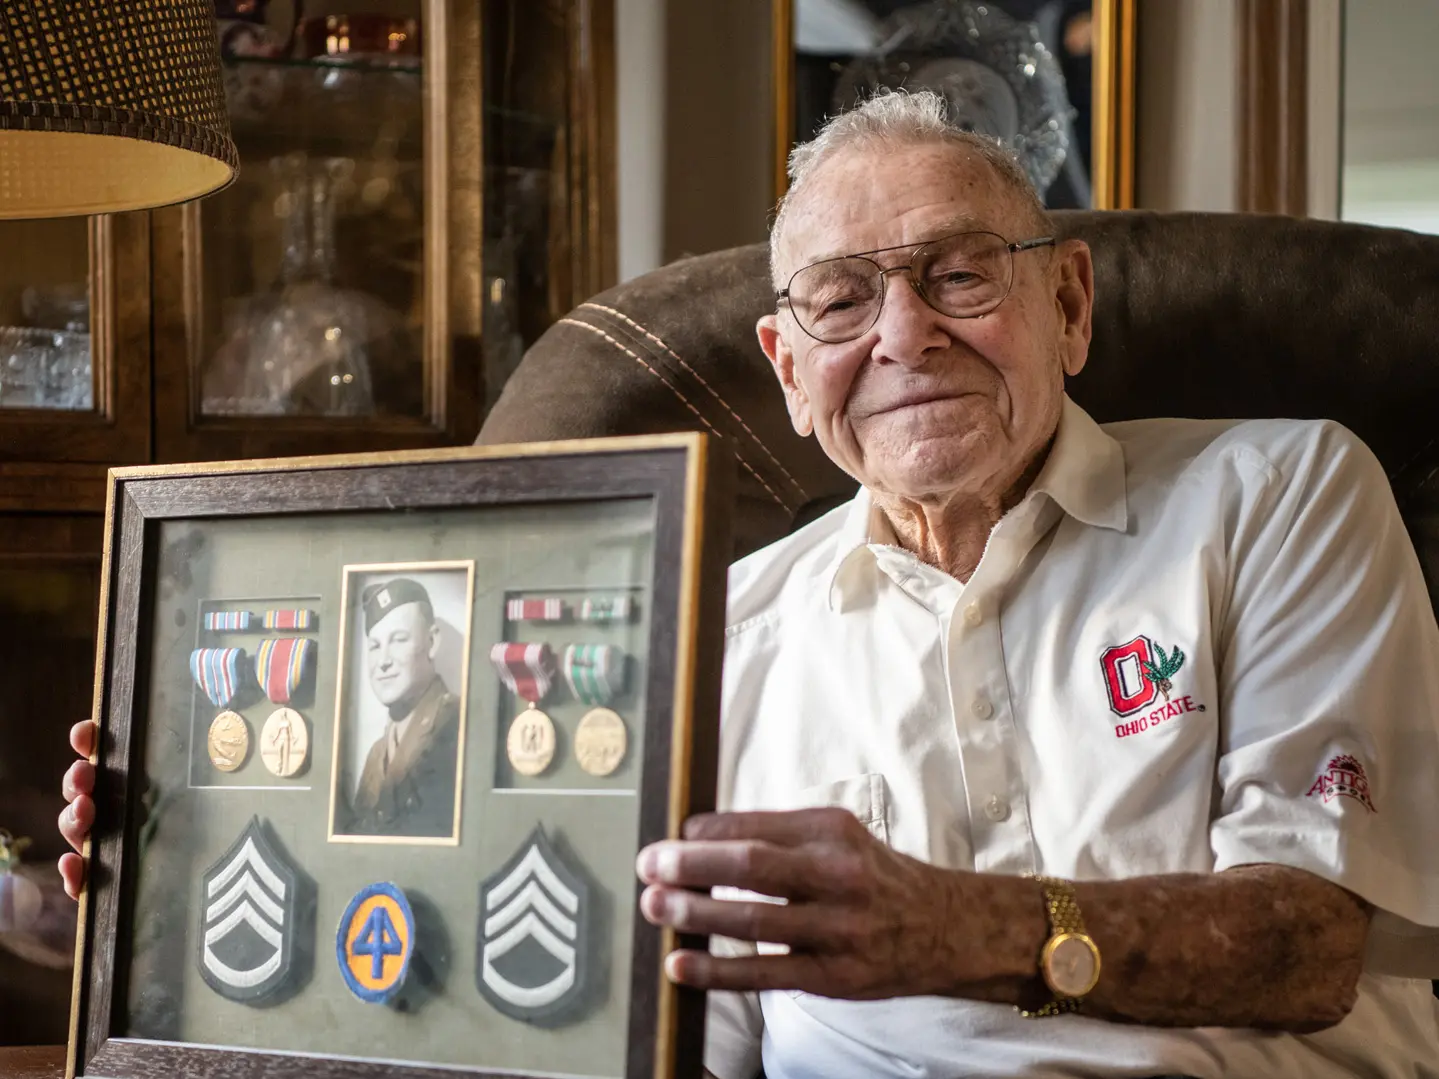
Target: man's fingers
pixel 754 866
pixel 77 820
pixel 788 828
pixel 84 737
pixel 79 779
pixel 72 872
pixel 753 973
pixel 800 925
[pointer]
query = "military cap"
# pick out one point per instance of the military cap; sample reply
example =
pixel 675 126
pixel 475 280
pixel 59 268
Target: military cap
pixel 383 597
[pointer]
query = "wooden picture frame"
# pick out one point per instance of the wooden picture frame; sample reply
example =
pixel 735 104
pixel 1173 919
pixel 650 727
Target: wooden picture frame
pixel 1112 87
pixel 159 988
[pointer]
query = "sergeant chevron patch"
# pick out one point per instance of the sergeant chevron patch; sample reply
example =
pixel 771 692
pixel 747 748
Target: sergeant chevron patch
pixel 534 942
pixel 248 919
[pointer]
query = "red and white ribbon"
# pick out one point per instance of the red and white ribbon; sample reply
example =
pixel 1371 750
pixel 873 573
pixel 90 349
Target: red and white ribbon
pixel 527 670
pixel 535 610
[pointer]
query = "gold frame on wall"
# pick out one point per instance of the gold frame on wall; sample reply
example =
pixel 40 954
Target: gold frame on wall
pixel 1112 136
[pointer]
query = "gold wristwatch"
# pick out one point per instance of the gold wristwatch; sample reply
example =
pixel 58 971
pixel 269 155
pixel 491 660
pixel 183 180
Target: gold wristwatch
pixel 1070 959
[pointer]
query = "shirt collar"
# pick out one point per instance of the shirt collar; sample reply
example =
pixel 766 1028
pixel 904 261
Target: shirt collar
pixel 1084 475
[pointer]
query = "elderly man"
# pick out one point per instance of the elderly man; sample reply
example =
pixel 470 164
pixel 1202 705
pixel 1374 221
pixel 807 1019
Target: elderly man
pixel 1131 730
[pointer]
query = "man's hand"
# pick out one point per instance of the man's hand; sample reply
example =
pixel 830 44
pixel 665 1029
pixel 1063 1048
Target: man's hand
pixel 78 817
pixel 861 920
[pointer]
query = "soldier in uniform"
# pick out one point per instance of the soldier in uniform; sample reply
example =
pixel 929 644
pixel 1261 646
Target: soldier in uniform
pixel 407 787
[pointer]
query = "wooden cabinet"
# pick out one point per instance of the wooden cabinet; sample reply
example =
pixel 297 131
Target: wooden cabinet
pixel 426 185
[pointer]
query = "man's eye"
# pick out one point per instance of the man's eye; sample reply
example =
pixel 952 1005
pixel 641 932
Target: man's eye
pixel 372 645
pixel 834 307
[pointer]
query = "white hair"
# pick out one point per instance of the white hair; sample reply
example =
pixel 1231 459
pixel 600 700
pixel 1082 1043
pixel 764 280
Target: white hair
pixel 893 118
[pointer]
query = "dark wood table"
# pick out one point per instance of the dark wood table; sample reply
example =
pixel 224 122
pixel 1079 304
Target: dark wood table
pixel 32 1062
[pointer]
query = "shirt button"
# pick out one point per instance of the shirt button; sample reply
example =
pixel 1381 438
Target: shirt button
pixel 973 616
pixel 982 708
pixel 996 809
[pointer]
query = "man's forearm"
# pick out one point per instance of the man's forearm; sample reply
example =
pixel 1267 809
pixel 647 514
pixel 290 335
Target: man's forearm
pixel 1257 946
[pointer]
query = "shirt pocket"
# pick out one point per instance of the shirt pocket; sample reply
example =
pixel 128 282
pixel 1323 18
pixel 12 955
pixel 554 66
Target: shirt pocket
pixel 863 795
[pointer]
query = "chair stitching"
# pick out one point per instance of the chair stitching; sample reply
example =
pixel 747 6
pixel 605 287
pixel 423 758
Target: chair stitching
pixel 698 378
pixel 640 360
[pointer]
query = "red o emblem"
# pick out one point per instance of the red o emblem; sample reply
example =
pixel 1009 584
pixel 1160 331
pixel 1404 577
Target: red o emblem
pixel 1123 666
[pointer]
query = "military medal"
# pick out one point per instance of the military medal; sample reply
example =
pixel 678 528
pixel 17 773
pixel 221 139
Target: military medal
pixel 284 742
pixel 248 919
pixel 534 940
pixel 280 619
pixel 528 671
pixel 600 742
pixel 607 609
pixel 227 621
pixel 229 741
pixel 535 610
pixel 595 674
pixel 375 942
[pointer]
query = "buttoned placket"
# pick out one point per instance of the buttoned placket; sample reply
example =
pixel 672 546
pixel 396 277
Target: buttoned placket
pixel 981 709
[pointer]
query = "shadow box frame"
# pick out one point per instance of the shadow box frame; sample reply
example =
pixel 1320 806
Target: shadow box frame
pixel 689 477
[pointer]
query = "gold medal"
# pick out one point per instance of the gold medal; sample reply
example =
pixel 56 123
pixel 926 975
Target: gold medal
pixel 284 742
pixel 600 741
pixel 229 741
pixel 531 742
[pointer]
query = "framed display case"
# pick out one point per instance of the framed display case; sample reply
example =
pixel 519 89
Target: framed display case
pixel 382 736
pixel 1054 78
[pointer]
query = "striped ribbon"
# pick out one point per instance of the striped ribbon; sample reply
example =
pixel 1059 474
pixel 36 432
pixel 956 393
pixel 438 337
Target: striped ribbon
pixel 595 672
pixel 217 672
pixel 228 621
pixel 289 619
pixel 535 610
pixel 527 670
pixel 609 609
pixel 281 665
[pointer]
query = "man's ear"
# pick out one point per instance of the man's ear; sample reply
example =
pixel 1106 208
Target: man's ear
pixel 434 649
pixel 771 339
pixel 1074 297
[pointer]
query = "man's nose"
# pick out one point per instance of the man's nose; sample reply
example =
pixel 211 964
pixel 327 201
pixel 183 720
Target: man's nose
pixel 908 327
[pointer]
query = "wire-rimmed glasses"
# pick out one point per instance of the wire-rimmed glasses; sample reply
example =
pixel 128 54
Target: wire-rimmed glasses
pixel 964 275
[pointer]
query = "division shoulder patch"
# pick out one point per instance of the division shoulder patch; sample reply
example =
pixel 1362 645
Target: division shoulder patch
pixel 375 942
pixel 534 940
pixel 248 921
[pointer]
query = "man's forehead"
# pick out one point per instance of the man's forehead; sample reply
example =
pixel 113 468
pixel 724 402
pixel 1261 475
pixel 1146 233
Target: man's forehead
pixel 401 613
pixel 862 201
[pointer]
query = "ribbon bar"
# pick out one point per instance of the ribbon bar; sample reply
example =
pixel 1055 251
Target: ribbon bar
pixel 289 619
pixel 594 672
pixel 217 672
pixel 282 664
pixel 527 670
pixel 535 610
pixel 607 609
pixel 231 621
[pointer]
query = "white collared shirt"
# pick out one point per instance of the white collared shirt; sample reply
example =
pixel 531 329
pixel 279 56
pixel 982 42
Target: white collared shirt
pixel 1193 645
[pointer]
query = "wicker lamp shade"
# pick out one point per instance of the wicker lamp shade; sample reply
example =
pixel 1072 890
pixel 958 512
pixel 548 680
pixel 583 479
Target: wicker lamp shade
pixel 109 105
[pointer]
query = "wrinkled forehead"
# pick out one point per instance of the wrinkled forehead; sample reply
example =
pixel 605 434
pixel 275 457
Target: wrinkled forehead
pixel 869 199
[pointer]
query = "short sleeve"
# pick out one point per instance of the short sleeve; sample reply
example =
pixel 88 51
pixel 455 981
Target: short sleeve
pixel 734 1026
pixel 1329 675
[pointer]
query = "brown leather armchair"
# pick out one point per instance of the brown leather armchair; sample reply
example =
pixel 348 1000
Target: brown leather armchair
pixel 1200 315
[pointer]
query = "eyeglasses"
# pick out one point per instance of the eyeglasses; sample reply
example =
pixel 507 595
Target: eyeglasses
pixel 965 275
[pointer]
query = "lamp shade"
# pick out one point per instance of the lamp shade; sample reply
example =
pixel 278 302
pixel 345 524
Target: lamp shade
pixel 109 105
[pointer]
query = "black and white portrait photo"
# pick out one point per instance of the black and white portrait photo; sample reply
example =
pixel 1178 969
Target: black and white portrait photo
pixel 399 718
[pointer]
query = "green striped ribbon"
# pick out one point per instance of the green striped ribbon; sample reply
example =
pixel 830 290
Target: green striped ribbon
pixel 595 672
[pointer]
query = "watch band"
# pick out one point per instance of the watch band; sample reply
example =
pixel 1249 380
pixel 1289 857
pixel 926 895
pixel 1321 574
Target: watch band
pixel 1065 920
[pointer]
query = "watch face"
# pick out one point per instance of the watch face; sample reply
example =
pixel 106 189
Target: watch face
pixel 1073 966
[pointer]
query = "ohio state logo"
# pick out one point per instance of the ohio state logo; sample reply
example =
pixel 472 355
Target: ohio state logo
pixel 1124 676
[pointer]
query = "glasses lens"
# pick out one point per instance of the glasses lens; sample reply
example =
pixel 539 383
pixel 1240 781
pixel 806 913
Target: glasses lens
pixel 965 276
pixel 836 300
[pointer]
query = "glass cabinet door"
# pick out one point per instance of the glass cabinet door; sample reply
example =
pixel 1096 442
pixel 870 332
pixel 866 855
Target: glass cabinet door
pixel 329 299
pixel 74 340
pixel 413 172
